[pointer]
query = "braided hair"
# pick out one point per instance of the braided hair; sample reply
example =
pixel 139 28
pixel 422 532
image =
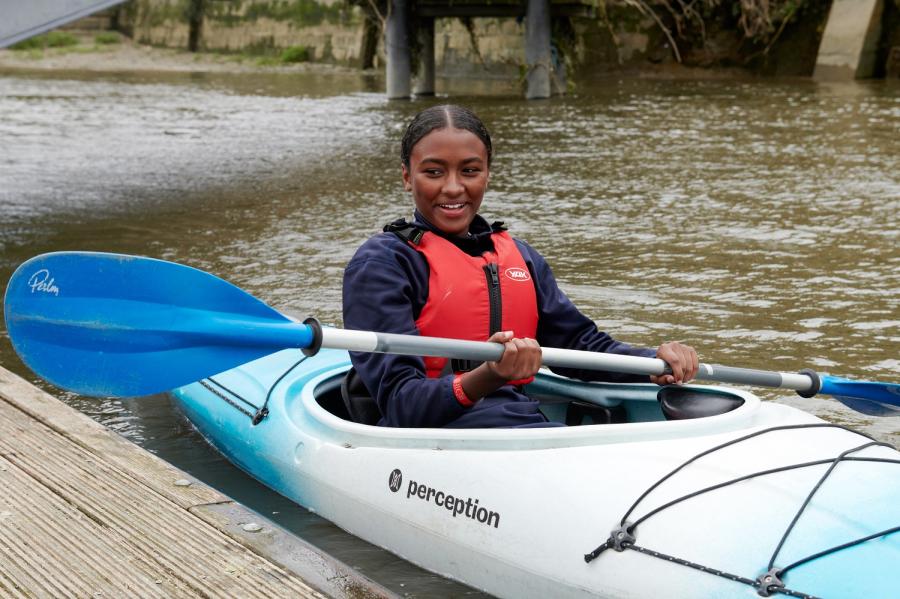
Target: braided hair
pixel 441 117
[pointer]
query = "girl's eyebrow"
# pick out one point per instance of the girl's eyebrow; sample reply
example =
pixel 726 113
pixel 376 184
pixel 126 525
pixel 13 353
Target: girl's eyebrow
pixel 443 162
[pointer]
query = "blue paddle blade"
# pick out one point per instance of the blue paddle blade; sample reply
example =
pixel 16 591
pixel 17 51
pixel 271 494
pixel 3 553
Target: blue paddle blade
pixel 116 325
pixel 869 407
pixel 868 397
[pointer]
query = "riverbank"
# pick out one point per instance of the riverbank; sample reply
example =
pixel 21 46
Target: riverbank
pixel 126 55
pixel 129 56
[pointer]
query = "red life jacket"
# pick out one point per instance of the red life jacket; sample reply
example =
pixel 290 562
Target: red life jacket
pixel 474 297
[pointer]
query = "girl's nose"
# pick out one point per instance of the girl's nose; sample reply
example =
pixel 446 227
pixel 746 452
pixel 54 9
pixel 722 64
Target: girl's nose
pixel 453 186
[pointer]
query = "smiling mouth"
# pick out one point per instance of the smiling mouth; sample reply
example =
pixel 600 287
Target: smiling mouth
pixel 451 206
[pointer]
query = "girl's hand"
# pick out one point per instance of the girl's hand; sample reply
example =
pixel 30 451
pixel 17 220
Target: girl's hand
pixel 681 358
pixel 521 357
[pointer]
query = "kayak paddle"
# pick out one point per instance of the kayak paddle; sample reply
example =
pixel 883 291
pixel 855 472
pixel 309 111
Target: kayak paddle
pixel 117 325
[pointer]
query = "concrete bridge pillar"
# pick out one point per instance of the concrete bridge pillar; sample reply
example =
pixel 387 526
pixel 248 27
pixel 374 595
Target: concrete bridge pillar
pixel 425 78
pixel 537 49
pixel 397 49
pixel 849 45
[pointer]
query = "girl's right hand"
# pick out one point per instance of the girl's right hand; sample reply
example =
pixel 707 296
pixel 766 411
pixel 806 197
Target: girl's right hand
pixel 521 357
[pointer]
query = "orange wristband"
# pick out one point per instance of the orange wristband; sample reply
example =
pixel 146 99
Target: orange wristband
pixel 460 393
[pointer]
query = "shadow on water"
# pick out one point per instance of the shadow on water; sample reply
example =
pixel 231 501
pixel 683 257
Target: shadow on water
pixel 756 220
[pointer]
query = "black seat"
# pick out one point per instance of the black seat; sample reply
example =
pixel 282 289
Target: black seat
pixel 578 410
pixel 678 403
pixel 359 403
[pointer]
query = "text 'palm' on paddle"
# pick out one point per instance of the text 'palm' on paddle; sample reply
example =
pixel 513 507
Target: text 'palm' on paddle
pixel 118 325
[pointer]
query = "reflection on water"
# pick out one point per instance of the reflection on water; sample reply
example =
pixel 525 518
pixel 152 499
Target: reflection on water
pixel 756 220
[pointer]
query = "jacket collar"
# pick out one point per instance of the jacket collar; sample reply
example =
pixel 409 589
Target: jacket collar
pixel 478 229
pixel 476 243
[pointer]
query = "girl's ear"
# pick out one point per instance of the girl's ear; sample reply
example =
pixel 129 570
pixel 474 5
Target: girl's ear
pixel 404 173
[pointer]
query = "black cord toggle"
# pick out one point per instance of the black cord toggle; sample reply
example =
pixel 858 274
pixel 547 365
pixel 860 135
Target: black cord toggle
pixel 260 415
pixel 589 557
pixel 621 538
pixel 769 583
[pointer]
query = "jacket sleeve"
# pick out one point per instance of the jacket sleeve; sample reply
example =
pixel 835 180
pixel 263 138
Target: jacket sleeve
pixel 561 324
pixel 384 289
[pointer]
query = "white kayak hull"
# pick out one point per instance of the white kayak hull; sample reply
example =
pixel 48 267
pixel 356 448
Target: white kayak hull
pixel 513 512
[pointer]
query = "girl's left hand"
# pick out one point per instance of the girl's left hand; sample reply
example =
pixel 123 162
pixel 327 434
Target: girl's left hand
pixel 681 358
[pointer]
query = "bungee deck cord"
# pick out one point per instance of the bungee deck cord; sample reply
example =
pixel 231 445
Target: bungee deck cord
pixel 259 412
pixel 772 581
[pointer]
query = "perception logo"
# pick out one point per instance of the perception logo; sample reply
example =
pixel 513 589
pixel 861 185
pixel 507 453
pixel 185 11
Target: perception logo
pixel 455 506
pixel 395 480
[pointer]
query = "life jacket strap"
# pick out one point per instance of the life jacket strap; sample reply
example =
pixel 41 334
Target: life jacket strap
pixel 408 232
pixel 412 232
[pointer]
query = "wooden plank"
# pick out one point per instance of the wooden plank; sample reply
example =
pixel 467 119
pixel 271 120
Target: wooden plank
pixel 322 571
pixel 140 522
pixel 84 511
pixel 151 470
pixel 51 548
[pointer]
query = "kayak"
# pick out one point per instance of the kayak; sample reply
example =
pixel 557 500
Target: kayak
pixel 696 491
pixel 689 491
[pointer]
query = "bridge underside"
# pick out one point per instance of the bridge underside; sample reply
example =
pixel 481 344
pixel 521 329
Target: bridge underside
pixel 500 8
pixel 544 73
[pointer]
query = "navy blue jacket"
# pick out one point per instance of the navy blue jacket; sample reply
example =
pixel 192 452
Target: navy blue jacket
pixel 385 289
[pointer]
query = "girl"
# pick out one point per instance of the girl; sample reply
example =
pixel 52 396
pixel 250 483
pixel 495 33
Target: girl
pixel 449 273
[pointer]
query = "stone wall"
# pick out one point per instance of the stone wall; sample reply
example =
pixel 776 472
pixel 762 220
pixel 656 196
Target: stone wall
pixel 333 31
pixel 619 36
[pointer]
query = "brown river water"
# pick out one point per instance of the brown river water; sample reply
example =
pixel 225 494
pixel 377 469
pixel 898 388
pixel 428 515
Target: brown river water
pixel 757 220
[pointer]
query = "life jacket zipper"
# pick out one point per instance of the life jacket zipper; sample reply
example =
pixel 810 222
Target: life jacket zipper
pixel 492 274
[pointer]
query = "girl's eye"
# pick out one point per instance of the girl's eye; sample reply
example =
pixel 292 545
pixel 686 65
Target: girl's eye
pixel 433 172
pixel 471 171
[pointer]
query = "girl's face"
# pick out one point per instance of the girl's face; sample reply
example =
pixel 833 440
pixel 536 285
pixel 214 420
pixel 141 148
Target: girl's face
pixel 447 175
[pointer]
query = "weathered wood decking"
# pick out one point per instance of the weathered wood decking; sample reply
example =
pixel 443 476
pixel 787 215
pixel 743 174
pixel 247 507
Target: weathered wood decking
pixel 85 513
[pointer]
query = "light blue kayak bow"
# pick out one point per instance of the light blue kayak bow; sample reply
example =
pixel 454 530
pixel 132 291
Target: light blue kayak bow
pixel 116 325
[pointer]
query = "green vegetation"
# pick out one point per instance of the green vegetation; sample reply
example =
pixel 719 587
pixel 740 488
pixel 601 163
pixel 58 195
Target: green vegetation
pixel 263 54
pixel 295 54
pixel 63 42
pixel 53 39
pixel 107 38
pixel 32 43
pixel 60 39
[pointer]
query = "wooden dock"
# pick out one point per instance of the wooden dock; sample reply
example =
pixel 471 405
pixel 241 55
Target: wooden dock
pixel 86 513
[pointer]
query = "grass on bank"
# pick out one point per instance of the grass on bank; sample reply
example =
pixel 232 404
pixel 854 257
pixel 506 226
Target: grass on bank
pixel 52 39
pixel 269 56
pixel 295 54
pixel 107 38
pixel 64 42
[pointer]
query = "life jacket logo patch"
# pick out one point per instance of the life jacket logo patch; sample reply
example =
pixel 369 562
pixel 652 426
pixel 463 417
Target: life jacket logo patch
pixel 517 274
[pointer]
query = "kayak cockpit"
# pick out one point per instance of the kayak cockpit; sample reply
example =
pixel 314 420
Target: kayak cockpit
pixel 562 400
pixel 306 391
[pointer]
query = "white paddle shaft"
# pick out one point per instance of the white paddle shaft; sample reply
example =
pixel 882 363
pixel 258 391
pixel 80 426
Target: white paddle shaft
pixel 415 345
